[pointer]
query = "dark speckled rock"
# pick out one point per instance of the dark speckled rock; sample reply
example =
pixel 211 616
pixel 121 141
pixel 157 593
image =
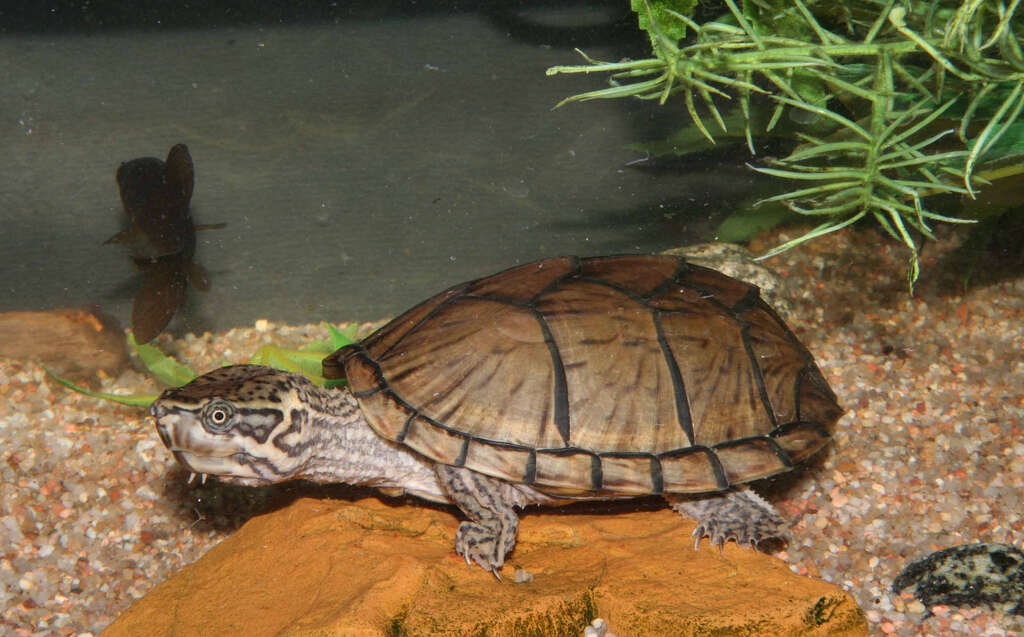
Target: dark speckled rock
pixel 969 575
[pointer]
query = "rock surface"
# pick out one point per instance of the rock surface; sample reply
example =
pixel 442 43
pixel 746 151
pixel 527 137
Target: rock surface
pixel 75 341
pixel 335 567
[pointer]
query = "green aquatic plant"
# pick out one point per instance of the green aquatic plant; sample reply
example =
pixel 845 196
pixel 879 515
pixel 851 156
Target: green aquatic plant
pixel 169 371
pixel 888 101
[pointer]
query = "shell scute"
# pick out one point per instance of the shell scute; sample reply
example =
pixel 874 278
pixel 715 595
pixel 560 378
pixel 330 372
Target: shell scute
pixel 615 375
pixel 521 284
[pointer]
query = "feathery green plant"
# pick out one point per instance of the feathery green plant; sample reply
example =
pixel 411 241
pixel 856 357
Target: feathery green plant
pixel 900 99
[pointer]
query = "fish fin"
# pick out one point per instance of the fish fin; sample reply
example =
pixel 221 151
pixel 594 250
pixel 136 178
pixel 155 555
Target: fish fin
pixel 125 236
pixel 137 243
pixel 162 293
pixel 180 172
pixel 198 277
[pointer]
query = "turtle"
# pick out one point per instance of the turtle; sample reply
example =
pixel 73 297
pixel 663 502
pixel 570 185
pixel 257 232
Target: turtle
pixel 566 379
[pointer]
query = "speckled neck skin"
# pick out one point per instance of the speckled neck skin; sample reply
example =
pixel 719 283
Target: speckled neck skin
pixel 345 449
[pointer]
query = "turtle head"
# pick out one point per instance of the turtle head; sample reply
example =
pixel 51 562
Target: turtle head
pixel 245 424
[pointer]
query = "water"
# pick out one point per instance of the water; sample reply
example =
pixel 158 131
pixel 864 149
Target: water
pixel 362 158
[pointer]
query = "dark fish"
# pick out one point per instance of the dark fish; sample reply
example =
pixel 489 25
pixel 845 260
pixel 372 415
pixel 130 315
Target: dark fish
pixel 161 236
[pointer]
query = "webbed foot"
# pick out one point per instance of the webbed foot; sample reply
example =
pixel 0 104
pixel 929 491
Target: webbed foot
pixel 738 514
pixel 490 533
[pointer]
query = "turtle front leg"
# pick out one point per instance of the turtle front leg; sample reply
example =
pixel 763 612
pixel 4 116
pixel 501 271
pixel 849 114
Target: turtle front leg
pixel 737 514
pixel 490 505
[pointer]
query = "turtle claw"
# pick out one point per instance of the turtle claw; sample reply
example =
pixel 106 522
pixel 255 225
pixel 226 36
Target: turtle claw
pixel 192 478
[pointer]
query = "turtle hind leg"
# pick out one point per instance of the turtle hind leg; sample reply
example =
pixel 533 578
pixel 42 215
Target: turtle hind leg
pixel 737 514
pixel 490 533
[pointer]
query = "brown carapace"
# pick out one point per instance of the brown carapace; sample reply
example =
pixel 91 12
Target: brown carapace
pixel 619 375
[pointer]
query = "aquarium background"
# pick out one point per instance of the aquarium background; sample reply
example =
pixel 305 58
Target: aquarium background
pixel 363 155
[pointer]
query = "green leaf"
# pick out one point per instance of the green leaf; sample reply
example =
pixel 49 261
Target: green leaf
pixel 167 370
pixel 134 400
pixel 307 363
pixel 743 224
pixel 343 337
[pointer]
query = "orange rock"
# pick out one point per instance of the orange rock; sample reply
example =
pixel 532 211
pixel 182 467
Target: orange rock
pixel 330 567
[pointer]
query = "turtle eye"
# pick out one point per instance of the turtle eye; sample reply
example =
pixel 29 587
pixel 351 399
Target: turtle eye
pixel 218 416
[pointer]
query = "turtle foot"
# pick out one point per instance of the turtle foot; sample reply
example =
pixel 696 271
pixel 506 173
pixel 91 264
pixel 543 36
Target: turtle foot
pixel 739 514
pixel 490 533
pixel 483 545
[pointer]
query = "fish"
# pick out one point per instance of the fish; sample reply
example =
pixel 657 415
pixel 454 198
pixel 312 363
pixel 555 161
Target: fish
pixel 161 236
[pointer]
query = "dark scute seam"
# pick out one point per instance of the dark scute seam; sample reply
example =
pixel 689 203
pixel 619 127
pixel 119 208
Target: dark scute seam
pixel 657 479
pixel 530 475
pixel 780 453
pixel 560 391
pixel 405 428
pixel 573 273
pixel 596 473
pixel 460 293
pixel 682 401
pixel 762 389
pixel 785 428
pixel 461 459
pixel 717 469
pixel 675 280
pixel 378 373
pixel 748 301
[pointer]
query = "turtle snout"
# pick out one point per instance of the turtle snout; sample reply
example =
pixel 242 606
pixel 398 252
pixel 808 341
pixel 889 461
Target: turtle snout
pixel 165 435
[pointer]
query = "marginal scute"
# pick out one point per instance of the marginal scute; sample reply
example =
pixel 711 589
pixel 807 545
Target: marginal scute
pixel 617 375
pixel 522 283
pixel 637 273
pixel 750 458
pixel 690 472
pixel 631 474
pixel 569 471
pixel 725 290
pixel 435 442
pixel 507 460
pixel 801 440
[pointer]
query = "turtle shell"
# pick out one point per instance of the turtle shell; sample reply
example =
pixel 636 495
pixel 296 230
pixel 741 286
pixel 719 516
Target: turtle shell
pixel 605 375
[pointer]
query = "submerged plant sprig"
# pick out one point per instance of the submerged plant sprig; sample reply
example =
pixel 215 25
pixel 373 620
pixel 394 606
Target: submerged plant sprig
pixel 882 95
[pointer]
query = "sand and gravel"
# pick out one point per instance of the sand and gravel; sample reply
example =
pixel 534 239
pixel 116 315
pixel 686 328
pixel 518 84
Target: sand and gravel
pixel 94 512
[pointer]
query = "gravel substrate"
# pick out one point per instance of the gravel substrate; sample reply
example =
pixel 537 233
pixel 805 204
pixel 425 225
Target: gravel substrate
pixel 94 512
